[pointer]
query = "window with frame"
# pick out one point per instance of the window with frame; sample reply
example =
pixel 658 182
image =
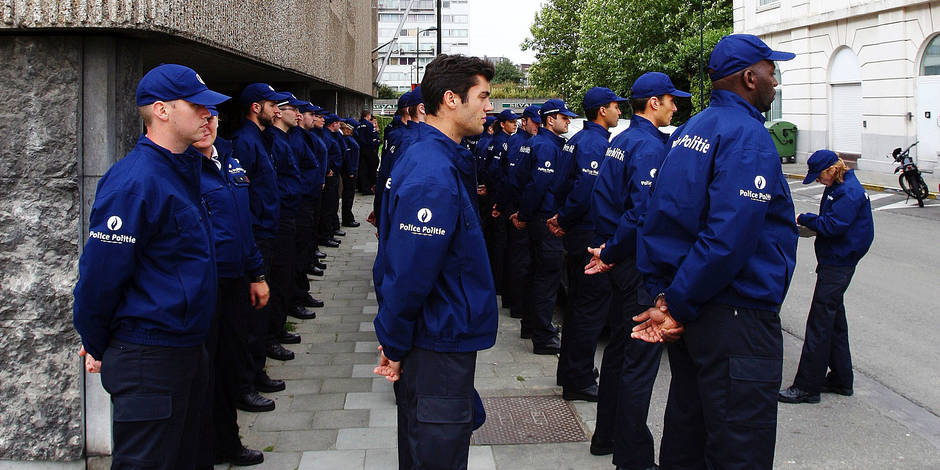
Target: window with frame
pixel 930 64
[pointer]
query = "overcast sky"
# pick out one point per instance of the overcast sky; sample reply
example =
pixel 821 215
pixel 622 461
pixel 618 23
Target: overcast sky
pixel 498 27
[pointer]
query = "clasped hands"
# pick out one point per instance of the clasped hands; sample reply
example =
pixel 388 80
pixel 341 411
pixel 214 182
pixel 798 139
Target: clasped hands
pixel 555 227
pixel 597 265
pixel 388 368
pixel 657 325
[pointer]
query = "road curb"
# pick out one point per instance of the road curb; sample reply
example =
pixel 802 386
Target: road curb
pixel 873 187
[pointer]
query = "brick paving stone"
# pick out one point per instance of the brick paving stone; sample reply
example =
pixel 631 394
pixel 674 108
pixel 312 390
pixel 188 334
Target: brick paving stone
pixel 363 370
pixel 367 438
pixel 381 459
pixel 338 419
pixel 318 401
pixel 383 417
pixel 369 400
pixel 332 460
pixel 367 326
pixel 284 421
pixel 316 439
pixel 343 370
pixel 367 346
pixel 347 385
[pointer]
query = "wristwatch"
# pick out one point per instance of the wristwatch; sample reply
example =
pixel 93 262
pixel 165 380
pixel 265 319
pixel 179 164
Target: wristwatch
pixel 258 278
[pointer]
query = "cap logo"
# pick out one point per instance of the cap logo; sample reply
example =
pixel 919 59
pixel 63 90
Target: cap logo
pixel 653 173
pixel 199 79
pixel 115 223
pixel 760 182
pixel 424 215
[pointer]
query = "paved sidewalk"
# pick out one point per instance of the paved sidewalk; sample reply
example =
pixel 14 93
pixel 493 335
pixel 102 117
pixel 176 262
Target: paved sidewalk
pixel 336 415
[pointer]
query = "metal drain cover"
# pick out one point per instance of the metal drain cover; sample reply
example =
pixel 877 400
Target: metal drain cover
pixel 528 420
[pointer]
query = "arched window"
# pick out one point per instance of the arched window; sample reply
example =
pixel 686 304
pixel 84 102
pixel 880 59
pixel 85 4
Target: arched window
pixel 930 64
pixel 776 109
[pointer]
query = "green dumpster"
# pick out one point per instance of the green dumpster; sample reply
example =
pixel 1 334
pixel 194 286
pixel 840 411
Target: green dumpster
pixel 783 134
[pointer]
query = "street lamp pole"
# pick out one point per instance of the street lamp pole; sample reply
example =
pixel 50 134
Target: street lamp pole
pixel 418 51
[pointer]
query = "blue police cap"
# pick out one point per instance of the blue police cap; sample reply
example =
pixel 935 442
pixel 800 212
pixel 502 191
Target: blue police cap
pixel 170 82
pixel 532 112
pixel 415 97
pixel 736 52
pixel 260 92
pixel 507 115
pixel 599 96
pixel 553 106
pixel 818 162
pixel 330 118
pixel 213 110
pixel 655 84
pixel 352 122
pixel 308 107
pixel 489 121
pixel 291 100
pixel 403 100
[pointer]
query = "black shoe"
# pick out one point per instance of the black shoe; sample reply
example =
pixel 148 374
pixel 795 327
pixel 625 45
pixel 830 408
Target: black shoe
pixel 266 384
pixel 330 243
pixel 287 338
pixel 319 254
pixel 336 240
pixel 339 233
pixel 586 394
pixel 276 351
pixel 352 224
pixel 318 264
pixel 314 271
pixel 846 392
pixel 254 403
pixel 601 449
pixel 553 346
pixel 309 301
pixel 795 395
pixel 301 313
pixel 245 457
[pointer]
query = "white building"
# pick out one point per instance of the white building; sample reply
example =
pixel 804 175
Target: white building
pixel 406 65
pixel 866 78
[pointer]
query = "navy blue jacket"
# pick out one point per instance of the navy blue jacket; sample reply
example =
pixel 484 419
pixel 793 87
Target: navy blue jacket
pixel 435 287
pixel 623 187
pixel 337 160
pixel 147 274
pixel 254 153
pixel 719 226
pixel 289 184
pixel 351 157
pixel 334 152
pixel 316 144
pixel 494 172
pixel 397 143
pixel 367 137
pixel 225 195
pixel 307 162
pixel 537 200
pixel 518 170
pixel 584 153
pixel 844 227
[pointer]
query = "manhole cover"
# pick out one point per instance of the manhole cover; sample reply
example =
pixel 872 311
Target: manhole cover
pixel 528 420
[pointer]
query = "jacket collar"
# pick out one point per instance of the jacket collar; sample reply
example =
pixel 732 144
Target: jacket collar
pixel 645 125
pixel 555 138
pixel 597 128
pixel 729 99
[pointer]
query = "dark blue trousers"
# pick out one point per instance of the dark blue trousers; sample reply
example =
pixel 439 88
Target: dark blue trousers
pixel 826 344
pixel 519 256
pixel 588 309
pixel 633 442
pixel 435 400
pixel 624 281
pixel 157 395
pixel 257 324
pixel 283 282
pixel 548 260
pixel 722 406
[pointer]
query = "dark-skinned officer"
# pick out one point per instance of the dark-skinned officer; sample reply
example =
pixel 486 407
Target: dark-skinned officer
pixel 718 246
pixel 439 304
pixel 844 232
pixel 146 289
pixel 629 367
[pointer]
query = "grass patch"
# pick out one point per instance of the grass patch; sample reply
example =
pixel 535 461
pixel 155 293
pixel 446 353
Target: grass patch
pixel 269 449
pixel 290 327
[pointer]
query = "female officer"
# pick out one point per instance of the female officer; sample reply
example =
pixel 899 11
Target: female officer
pixel 844 232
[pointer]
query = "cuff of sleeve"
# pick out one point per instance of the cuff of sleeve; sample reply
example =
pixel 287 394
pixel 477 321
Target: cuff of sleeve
pixel 681 310
pixel 607 255
pixel 806 219
pixel 393 354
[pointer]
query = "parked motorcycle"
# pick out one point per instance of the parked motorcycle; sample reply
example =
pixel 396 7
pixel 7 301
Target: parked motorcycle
pixel 910 179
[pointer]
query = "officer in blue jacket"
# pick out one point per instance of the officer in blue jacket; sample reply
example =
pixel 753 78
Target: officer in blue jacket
pixel 311 155
pixel 390 136
pixel 844 233
pixel 224 190
pixel 258 103
pixel 536 205
pixel 368 138
pixel 329 194
pixel 718 246
pixel 350 171
pixel 519 255
pixel 495 225
pixel 414 107
pixel 629 366
pixel 439 304
pixel 147 278
pixel 588 300
pixel 312 118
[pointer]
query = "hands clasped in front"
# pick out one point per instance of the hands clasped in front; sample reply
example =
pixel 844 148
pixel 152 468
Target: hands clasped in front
pixel 388 368
pixel 658 325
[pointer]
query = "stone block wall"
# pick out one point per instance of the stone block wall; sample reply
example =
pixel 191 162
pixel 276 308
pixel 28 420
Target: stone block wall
pixel 40 223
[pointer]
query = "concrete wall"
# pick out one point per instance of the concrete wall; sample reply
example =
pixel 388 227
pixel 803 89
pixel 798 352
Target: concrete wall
pixel 887 36
pixel 324 39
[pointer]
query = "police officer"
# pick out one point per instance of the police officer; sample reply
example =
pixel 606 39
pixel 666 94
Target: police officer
pixel 224 189
pixel 310 118
pixel 519 254
pixel 311 158
pixel 718 246
pixel 389 140
pixel 414 107
pixel 844 232
pixel 350 170
pixel 258 102
pixel 538 204
pixel 147 278
pixel 329 195
pixel 629 367
pixel 494 182
pixel 589 300
pixel 368 138
pixel 439 304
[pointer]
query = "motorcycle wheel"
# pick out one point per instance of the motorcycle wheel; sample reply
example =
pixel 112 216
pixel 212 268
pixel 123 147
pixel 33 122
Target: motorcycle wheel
pixel 905 186
pixel 916 187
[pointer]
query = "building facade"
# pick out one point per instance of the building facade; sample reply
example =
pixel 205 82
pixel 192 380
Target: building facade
pixel 866 78
pixel 70 70
pixel 406 62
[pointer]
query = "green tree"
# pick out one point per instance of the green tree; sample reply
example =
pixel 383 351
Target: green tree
pixel 507 72
pixel 555 34
pixel 618 40
pixel 386 92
